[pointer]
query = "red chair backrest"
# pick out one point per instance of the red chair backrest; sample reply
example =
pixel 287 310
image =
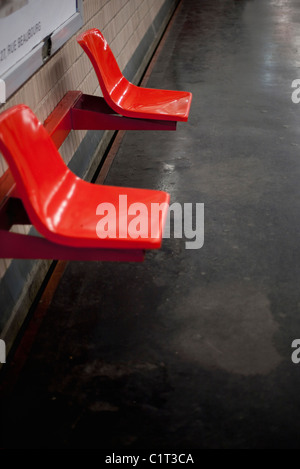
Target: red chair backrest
pixel 111 79
pixel 35 163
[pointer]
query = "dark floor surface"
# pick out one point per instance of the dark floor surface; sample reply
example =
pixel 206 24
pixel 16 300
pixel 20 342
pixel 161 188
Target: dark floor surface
pixel 192 348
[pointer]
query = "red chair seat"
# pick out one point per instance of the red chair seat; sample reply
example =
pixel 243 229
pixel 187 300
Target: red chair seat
pixel 126 98
pixel 60 205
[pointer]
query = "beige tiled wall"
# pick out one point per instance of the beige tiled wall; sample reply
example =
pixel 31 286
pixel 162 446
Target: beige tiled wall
pixel 123 23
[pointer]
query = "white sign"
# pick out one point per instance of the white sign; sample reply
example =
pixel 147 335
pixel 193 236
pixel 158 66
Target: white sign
pixel 25 23
pixel 2 92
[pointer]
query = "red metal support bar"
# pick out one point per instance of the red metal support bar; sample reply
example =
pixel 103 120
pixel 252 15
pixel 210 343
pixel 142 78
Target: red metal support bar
pixel 78 111
pixel 92 113
pixel 59 123
pixel 18 246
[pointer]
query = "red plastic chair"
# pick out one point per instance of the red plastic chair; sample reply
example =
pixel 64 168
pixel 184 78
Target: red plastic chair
pixel 60 205
pixel 126 98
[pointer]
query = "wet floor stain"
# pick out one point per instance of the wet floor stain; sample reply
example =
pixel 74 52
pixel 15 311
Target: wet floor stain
pixel 231 328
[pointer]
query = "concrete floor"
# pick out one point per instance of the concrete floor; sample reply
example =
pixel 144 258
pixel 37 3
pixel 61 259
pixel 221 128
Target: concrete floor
pixel 192 348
